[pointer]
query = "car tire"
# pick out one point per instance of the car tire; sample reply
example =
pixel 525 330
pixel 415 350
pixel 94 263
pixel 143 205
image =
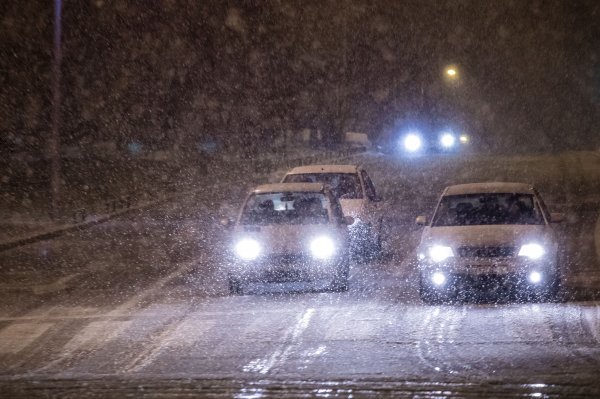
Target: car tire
pixel 235 286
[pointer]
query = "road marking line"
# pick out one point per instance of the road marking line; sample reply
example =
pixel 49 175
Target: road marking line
pixel 153 289
pixel 58 285
pixel 281 354
pixel 360 329
pixel 18 336
pixel 95 334
pixel 181 334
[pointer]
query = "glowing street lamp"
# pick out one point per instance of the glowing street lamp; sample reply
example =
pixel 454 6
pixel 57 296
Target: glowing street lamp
pixel 451 72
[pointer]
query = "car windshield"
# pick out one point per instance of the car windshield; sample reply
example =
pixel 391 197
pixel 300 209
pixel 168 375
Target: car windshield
pixel 285 208
pixel 342 185
pixel 487 209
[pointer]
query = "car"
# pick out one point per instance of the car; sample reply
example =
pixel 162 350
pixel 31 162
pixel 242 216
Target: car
pixel 415 142
pixel 356 192
pixel 488 236
pixel 289 232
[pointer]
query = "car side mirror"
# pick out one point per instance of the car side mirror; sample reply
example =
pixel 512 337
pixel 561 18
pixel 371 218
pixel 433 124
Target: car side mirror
pixel 557 217
pixel 348 220
pixel 227 222
pixel 421 220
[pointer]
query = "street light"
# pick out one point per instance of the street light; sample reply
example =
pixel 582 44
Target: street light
pixel 451 72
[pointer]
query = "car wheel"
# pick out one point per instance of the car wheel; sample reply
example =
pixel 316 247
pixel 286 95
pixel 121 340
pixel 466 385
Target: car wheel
pixel 235 286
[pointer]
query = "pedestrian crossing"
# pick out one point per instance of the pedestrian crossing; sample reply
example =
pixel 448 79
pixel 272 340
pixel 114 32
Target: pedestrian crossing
pixel 17 336
pixel 133 343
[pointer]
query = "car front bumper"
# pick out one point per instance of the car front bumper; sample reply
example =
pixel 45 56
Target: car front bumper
pixel 288 267
pixel 488 272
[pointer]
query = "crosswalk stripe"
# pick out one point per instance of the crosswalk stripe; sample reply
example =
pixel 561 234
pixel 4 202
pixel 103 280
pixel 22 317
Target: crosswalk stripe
pixel 96 333
pixel 352 325
pixel 184 334
pixel 18 336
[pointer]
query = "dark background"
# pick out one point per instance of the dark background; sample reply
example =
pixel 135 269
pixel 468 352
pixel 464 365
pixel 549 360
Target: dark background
pixel 183 73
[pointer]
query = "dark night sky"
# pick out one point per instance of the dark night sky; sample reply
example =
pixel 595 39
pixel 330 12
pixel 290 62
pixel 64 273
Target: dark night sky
pixel 171 72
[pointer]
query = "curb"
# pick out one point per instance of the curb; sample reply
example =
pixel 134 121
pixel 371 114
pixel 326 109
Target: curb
pixel 60 230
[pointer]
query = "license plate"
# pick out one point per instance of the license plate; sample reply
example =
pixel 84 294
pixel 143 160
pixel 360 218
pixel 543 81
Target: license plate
pixel 486 270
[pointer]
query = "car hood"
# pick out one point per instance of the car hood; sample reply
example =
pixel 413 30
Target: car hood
pixel 487 235
pixel 352 207
pixel 289 239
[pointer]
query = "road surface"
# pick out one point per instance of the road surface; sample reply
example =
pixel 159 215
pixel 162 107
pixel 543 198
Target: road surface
pixel 138 306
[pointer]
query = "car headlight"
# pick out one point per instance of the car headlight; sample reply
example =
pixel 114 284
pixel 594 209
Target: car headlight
pixel 447 140
pixel 438 278
pixel 439 253
pixel 535 277
pixel 322 247
pixel 247 249
pixel 532 251
pixel 412 143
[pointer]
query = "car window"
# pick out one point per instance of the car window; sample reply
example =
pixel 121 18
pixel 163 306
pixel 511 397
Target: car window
pixel 487 209
pixel 285 208
pixel 342 185
pixel 369 187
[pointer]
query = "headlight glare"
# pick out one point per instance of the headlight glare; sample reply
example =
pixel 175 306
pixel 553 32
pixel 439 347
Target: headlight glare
pixel 439 253
pixel 447 140
pixel 535 277
pixel 532 251
pixel 438 278
pixel 412 142
pixel 247 249
pixel 322 247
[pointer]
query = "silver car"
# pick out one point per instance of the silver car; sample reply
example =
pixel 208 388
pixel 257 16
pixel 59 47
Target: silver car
pixel 290 232
pixel 488 236
pixel 356 192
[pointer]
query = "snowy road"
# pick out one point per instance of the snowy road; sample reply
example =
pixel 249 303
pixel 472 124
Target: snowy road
pixel 138 306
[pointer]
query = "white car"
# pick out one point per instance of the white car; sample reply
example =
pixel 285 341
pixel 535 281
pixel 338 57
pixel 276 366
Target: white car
pixel 488 236
pixel 290 232
pixel 353 187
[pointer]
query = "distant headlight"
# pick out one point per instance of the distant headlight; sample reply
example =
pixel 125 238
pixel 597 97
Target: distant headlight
pixel 439 253
pixel 247 249
pixel 447 140
pixel 322 247
pixel 532 251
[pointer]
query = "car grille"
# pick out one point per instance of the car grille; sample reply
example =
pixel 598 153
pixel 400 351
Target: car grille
pixel 284 260
pixel 486 252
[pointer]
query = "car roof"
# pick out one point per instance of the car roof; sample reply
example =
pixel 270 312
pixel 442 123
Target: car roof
pixel 289 187
pixel 324 169
pixel 489 187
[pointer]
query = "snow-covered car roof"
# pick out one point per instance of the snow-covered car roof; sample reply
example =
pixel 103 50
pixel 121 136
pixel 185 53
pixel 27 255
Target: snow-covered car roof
pixel 489 187
pixel 323 169
pixel 289 187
